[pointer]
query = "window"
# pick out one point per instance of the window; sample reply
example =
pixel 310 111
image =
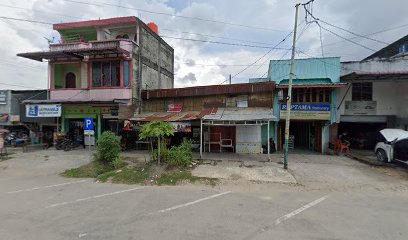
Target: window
pixel 362 91
pixel 106 74
pixel 126 82
pixel 70 80
pixel 242 101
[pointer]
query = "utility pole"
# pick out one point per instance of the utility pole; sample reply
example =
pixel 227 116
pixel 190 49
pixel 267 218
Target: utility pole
pixel 289 99
pixel 230 79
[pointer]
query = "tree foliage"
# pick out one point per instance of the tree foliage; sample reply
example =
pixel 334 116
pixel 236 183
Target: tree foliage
pixel 157 129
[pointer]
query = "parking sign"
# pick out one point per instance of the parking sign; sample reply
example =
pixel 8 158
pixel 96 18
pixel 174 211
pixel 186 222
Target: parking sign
pixel 88 124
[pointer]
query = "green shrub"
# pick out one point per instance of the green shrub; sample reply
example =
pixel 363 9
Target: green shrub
pixel 108 148
pixel 180 156
pixel 118 163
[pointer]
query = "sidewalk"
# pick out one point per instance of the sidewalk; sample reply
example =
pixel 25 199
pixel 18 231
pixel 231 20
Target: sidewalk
pixel 365 156
pixel 250 171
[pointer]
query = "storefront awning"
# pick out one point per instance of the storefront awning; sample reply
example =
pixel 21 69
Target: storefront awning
pixel 79 53
pixel 310 83
pixel 241 114
pixel 173 117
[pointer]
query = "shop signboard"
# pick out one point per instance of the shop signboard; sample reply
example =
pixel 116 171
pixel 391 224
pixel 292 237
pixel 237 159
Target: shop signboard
pixel 3 97
pixel 43 110
pixel 307 111
pixel 360 108
pixel 182 127
pixel 175 107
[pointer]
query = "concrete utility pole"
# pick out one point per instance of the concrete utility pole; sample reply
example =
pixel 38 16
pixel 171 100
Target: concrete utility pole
pixel 289 99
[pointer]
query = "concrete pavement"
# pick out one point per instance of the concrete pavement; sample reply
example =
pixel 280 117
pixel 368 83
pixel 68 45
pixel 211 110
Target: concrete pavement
pixel 39 204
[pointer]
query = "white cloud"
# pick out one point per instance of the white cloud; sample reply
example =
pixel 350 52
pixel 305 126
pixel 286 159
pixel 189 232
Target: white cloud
pixel 200 63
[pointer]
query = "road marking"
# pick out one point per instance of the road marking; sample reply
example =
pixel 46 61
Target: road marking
pixel 94 197
pixel 82 235
pixel 193 202
pixel 299 210
pixel 44 187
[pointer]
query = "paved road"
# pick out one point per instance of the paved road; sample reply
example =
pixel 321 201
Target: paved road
pixel 38 204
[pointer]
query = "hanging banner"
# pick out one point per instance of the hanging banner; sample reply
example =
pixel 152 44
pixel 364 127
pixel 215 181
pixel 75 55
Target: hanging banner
pixel 43 110
pixel 182 127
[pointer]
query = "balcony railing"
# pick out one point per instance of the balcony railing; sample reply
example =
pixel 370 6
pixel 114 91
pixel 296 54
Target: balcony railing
pixel 90 45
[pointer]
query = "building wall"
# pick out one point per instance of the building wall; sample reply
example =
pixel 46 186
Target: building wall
pixel 311 68
pixel 60 70
pixel 390 97
pixel 374 66
pixel 263 99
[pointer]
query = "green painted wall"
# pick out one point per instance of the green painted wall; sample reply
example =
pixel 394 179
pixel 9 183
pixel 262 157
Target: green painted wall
pixel 73 35
pixel 265 133
pixel 81 112
pixel 60 70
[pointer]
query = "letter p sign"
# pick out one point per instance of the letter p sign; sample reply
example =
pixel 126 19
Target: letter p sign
pixel 88 124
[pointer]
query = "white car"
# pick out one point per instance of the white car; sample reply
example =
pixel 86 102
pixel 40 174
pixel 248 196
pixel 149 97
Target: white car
pixel 395 146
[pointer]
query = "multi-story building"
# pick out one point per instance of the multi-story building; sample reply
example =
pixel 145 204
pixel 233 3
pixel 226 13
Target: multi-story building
pixel 99 68
pixel 376 95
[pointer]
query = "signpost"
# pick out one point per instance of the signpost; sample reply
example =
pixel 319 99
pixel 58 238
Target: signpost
pixel 89 130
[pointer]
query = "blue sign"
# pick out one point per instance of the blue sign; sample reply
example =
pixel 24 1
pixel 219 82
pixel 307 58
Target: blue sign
pixel 88 124
pixel 306 107
pixel 32 110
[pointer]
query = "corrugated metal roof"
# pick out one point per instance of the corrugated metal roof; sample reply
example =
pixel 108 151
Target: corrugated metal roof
pixel 95 23
pixel 375 76
pixel 242 88
pixel 314 82
pixel 173 117
pixel 241 114
pixel 309 68
pixel 76 53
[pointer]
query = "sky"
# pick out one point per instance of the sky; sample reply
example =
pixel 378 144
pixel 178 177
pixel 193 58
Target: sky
pixel 236 36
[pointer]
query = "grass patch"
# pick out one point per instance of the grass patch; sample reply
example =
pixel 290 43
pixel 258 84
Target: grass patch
pixel 90 170
pixel 135 175
pixel 142 174
pixel 183 176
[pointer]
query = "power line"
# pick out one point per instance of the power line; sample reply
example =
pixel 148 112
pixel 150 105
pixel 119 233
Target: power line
pixel 309 9
pixel 33 10
pixel 275 47
pixel 25 20
pixel 223 43
pixel 355 34
pixel 213 36
pixel 103 4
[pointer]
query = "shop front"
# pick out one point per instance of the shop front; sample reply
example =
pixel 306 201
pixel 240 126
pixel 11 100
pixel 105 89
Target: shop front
pixel 309 126
pixel 237 130
pixel 104 118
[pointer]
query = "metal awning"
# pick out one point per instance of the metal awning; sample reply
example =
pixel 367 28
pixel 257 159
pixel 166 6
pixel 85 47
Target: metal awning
pixel 173 116
pixel 311 83
pixel 74 53
pixel 240 116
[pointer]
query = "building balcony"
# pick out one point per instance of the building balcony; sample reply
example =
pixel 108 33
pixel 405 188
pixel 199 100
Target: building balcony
pixel 103 95
pixel 80 50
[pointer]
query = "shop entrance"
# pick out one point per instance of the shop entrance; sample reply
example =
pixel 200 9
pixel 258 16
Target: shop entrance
pixel 362 135
pixel 304 135
pixel 76 130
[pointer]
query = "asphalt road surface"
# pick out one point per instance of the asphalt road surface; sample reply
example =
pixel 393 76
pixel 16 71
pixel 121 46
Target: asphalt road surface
pixel 36 203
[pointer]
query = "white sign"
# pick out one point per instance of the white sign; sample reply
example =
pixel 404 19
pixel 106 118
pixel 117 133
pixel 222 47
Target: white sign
pixel 360 108
pixel 3 97
pixel 43 110
pixel 89 132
